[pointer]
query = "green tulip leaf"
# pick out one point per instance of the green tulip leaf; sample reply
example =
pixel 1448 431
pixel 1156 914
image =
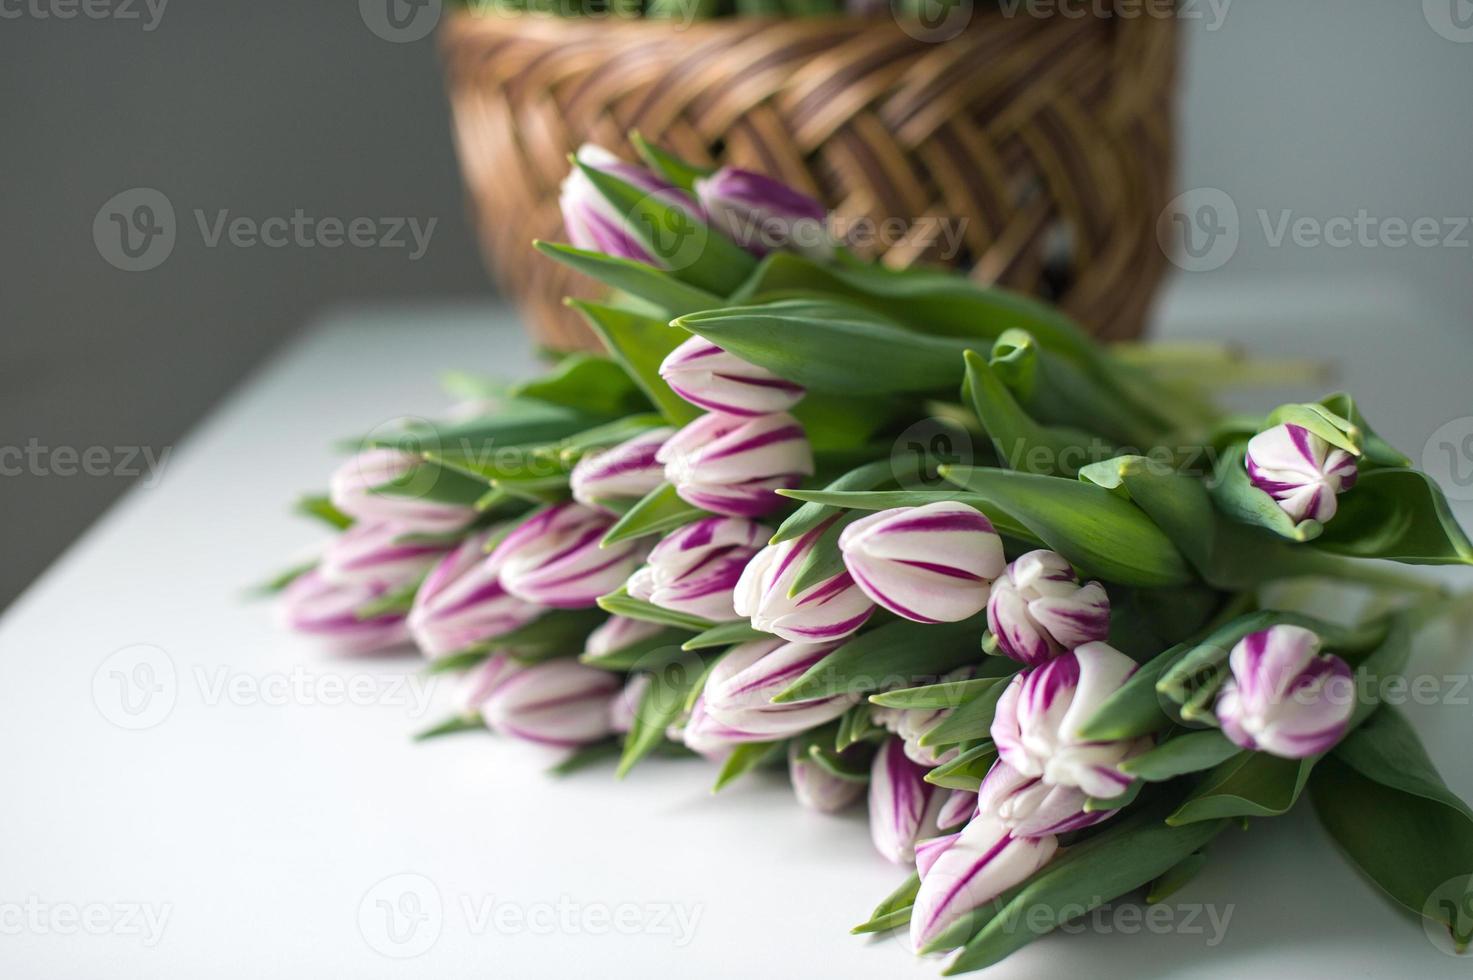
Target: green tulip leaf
pixel 640 343
pixel 659 511
pixel 897 652
pixel 635 278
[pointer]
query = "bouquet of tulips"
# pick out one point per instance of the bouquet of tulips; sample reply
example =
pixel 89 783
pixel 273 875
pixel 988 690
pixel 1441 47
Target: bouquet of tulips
pixel 927 545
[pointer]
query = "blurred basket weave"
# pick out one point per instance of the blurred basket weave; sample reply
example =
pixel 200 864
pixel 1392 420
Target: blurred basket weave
pixel 1047 140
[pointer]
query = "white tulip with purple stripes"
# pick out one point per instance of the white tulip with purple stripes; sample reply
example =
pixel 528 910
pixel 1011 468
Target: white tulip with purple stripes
pixel 329 612
pixel 739 691
pixel 558 702
pixel 816 787
pixel 617 633
pixel 903 807
pixel 553 558
pixel 627 471
pixel 592 223
pixel 1284 697
pixel 481 681
pixel 1039 610
pixel 386 555
pixel 1301 471
pixel 706 736
pixel 695 569
pixel 1030 806
pixel 828 610
pixel 959 807
pixel 762 214
pixel 710 378
pixel 462 602
pixel 930 564
pixel 729 465
pixel 1038 717
pixel 355 489
pixel 963 872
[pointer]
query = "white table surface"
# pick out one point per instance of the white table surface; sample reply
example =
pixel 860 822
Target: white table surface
pixel 268 828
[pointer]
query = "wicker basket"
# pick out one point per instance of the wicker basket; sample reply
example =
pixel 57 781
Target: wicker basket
pixel 1045 140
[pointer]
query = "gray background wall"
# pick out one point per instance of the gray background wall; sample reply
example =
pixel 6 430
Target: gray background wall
pixel 1323 108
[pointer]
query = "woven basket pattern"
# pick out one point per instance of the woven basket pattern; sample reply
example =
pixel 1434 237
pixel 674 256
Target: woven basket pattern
pixel 1045 141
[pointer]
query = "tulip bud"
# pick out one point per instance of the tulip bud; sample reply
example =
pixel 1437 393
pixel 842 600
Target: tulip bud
pixel 707 376
pixel 553 558
pixel 355 490
pixel 481 681
pixel 378 554
pixel 327 610
pixel 695 569
pixel 966 873
pixel 625 706
pixel 557 702
pixel 592 223
pixel 903 807
pixel 705 735
pixel 739 691
pixel 959 807
pixel 732 466
pixel 930 564
pixel 1284 698
pixel 627 471
pixel 1301 471
pixel 830 610
pixel 762 214
pixel 462 603
pixel 1030 806
pixel 617 633
pixel 1039 610
pixel 911 723
pixel 816 787
pixel 1039 715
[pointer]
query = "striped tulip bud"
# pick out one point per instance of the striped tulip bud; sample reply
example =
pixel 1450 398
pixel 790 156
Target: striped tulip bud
pixel 1301 471
pixel 462 603
pixel 959 807
pixel 816 787
pixel 481 681
pixel 1030 806
pixel 1039 610
pixel 553 558
pixel 1284 697
pixel 1043 708
pixel 705 735
pixel 386 555
pixel 557 702
pixel 625 706
pixel 592 223
pixel 627 471
pixel 911 723
pixel 695 569
pixel 617 633
pixel 356 489
pixel 829 610
pixel 740 689
pixel 761 214
pixel 329 611
pixel 710 378
pixel 732 466
pixel 970 869
pixel 930 564
pixel 903 807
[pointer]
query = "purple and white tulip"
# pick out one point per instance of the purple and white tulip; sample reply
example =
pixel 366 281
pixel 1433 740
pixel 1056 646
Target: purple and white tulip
pixel 706 736
pixel 329 611
pixel 731 466
pixel 710 378
pixel 739 691
pixel 557 702
pixel 379 554
pixel 930 564
pixel 903 807
pixel 816 787
pixel 480 682
pixel 1030 806
pixel 1284 697
pixel 462 603
pixel 1039 715
pixel 625 706
pixel 617 633
pixel 762 214
pixel 1301 471
pixel 354 490
pixel 829 610
pixel 695 569
pixel 627 471
pixel 1039 610
pixel 593 224
pixel 960 806
pixel 910 724
pixel 553 558
pixel 963 872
